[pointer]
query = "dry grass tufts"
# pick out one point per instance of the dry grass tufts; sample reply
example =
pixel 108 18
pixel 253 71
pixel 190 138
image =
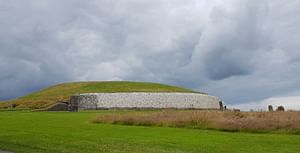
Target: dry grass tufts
pixel 229 121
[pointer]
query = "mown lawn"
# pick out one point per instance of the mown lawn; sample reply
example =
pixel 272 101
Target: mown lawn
pixel 65 132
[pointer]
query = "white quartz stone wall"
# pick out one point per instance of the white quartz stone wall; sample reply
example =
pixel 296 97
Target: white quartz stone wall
pixel 148 100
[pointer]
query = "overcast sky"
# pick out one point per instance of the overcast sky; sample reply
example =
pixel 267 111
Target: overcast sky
pixel 244 51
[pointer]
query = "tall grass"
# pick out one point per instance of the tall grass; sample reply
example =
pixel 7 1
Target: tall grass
pixel 287 122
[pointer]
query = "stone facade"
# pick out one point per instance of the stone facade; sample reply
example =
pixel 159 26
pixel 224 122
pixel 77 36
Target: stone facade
pixel 59 106
pixel 145 100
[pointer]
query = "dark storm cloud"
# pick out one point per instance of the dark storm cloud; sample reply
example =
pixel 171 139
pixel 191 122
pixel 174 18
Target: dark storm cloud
pixel 223 64
pixel 232 40
pixel 227 48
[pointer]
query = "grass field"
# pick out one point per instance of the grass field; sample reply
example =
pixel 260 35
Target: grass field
pixel 62 92
pixel 65 132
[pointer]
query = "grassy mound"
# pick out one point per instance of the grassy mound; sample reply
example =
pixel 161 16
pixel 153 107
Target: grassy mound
pixel 62 92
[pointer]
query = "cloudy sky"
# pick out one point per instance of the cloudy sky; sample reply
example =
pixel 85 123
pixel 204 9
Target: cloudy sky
pixel 244 51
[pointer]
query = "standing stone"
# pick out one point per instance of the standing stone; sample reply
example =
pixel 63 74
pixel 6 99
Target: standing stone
pixel 221 105
pixel 270 108
pixel 280 109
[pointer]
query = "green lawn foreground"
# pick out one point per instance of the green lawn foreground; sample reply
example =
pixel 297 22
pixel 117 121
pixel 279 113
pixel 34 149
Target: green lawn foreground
pixel 65 132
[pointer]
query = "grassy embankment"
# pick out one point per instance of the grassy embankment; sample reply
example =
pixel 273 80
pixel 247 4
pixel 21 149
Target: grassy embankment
pixel 278 122
pixel 64 132
pixel 62 92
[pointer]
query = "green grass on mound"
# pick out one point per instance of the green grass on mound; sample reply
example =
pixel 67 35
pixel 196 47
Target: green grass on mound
pixel 62 92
